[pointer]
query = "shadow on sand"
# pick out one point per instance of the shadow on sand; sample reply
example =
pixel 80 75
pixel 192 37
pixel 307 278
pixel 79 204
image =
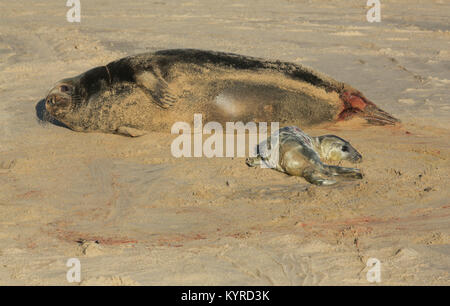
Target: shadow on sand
pixel 44 117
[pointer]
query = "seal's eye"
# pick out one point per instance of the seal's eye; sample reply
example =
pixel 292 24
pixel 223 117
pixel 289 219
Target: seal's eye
pixel 64 88
pixel 344 149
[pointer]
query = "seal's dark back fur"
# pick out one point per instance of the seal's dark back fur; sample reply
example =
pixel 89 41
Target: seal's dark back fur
pixel 241 62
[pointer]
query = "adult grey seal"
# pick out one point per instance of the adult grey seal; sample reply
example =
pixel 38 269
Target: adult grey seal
pixel 296 153
pixel 152 91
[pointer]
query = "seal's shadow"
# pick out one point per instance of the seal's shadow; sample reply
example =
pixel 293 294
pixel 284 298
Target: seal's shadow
pixel 44 117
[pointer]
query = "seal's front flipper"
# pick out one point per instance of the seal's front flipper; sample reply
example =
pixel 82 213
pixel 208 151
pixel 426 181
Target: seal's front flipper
pixel 129 131
pixel 253 161
pixel 315 177
pixel 345 172
pixel 155 86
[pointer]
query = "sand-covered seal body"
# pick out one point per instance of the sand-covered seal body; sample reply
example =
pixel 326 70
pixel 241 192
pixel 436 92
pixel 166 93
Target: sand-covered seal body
pixel 298 154
pixel 152 91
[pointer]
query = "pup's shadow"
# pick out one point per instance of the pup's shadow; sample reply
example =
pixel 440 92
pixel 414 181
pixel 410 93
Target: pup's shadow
pixel 44 117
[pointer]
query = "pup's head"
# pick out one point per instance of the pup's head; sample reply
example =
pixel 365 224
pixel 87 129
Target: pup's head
pixel 336 149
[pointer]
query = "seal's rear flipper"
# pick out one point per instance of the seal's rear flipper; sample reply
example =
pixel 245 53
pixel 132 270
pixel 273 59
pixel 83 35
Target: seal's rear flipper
pixel 129 131
pixel 356 104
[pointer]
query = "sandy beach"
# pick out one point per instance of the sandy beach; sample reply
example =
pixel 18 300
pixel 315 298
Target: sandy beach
pixel 135 215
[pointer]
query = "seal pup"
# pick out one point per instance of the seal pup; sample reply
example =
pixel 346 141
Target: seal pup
pixel 298 154
pixel 152 91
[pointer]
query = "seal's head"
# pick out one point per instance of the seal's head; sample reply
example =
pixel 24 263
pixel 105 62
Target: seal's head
pixel 68 98
pixel 61 98
pixel 331 147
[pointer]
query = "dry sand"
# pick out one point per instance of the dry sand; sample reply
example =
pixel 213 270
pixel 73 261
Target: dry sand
pixel 133 214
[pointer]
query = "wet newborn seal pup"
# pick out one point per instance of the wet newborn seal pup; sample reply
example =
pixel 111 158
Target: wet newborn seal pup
pixel 298 154
pixel 152 91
